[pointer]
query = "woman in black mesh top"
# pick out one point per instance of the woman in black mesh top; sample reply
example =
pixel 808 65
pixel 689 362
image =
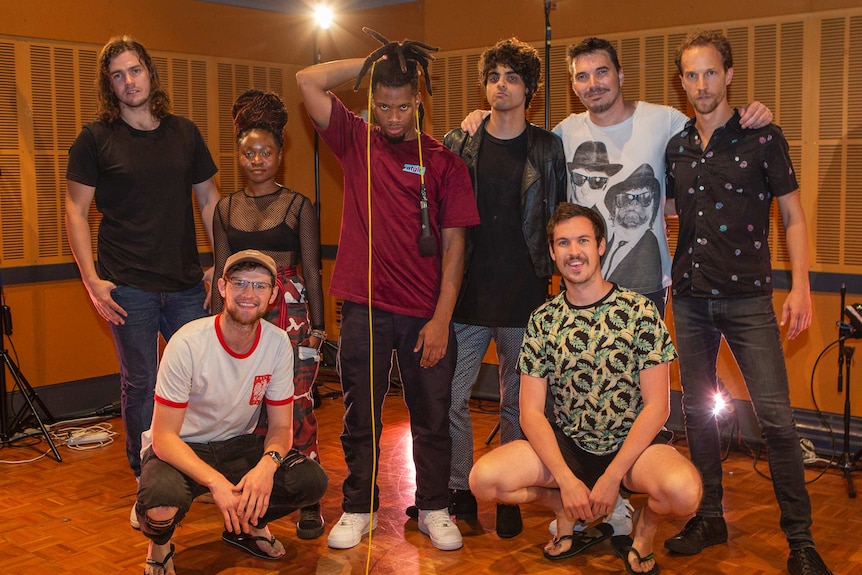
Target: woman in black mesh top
pixel 283 224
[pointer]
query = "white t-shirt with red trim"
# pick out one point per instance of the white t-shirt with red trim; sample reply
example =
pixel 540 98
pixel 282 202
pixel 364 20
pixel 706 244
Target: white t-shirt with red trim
pixel 222 390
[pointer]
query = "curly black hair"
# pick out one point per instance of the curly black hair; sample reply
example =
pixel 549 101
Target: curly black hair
pixel 522 58
pixel 256 109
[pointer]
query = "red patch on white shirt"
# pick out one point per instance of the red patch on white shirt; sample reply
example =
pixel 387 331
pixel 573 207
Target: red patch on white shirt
pixel 261 382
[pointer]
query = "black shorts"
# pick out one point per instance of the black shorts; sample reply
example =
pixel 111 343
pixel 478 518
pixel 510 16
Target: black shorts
pixel 588 467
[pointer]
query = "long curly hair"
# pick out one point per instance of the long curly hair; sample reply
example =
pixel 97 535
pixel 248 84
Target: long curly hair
pixel 520 56
pixel 108 108
pixel 256 109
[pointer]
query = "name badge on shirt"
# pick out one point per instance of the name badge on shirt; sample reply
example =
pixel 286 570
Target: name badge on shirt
pixel 414 169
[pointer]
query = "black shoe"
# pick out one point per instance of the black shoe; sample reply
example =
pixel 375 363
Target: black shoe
pixel 509 522
pixel 310 524
pixel 698 533
pixel 462 504
pixel 806 561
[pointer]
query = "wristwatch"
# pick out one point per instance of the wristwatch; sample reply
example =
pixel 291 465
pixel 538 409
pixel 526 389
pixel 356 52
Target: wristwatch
pixel 276 456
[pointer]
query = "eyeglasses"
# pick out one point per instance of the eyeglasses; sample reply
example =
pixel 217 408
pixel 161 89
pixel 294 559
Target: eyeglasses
pixel 644 198
pixel 240 284
pixel 596 182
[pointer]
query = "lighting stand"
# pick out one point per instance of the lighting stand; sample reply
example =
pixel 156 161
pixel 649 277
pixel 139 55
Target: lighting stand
pixel 11 422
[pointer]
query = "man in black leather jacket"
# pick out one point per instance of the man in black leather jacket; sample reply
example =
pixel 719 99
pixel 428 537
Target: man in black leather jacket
pixel 519 175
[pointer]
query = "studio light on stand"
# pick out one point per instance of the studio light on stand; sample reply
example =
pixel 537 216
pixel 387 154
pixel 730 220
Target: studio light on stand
pixel 724 412
pixel 723 402
pixel 322 21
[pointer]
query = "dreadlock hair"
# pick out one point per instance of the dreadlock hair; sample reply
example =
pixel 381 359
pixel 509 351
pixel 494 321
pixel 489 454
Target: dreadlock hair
pixel 406 56
pixel 388 73
pixel 108 108
pixel 522 58
pixel 256 109
pixel 589 46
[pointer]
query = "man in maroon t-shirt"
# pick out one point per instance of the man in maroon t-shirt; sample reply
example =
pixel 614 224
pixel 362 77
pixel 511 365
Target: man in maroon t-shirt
pixel 413 291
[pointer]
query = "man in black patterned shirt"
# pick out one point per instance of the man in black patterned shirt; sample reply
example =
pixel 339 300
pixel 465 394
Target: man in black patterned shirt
pixel 721 181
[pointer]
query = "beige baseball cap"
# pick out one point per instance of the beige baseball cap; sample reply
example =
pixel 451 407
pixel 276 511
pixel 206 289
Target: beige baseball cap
pixel 252 256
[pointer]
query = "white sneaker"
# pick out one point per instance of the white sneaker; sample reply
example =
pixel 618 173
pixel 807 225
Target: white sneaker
pixel 439 526
pixel 349 530
pixel 620 519
pixel 133 518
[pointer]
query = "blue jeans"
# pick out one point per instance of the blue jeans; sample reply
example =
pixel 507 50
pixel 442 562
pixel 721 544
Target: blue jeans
pixel 473 341
pixel 137 343
pixel 750 328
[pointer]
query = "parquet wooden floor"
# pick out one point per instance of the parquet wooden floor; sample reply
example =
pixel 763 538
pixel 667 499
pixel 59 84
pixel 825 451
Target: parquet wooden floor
pixel 72 517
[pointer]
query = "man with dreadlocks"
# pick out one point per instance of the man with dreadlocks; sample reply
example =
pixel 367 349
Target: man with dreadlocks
pixel 421 202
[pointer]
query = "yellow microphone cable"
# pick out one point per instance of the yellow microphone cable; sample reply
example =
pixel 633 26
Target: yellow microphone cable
pixel 370 331
pixel 423 203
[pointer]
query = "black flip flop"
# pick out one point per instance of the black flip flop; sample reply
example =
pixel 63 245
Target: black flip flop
pixel 163 563
pixel 581 540
pixel 248 543
pixel 623 545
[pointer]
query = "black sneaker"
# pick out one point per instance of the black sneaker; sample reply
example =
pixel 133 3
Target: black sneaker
pixel 462 504
pixel 806 561
pixel 698 533
pixel 310 524
pixel 509 522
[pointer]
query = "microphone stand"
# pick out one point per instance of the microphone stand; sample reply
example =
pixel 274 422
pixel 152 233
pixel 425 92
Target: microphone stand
pixel 549 5
pixel 847 463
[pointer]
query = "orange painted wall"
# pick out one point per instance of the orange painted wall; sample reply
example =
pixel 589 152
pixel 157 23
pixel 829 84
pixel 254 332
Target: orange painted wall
pixel 58 336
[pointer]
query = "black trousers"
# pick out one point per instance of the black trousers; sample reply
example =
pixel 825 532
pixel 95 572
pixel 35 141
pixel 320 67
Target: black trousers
pixel 299 482
pixel 427 393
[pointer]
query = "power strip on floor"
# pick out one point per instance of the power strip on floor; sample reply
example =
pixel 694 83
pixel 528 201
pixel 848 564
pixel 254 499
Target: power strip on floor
pixel 88 438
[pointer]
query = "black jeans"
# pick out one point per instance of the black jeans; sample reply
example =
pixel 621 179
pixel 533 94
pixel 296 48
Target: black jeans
pixel 427 393
pixel 751 331
pixel 297 483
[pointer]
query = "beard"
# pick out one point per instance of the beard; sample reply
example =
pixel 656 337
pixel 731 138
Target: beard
pixel 600 107
pixel 709 105
pixel 235 316
pixel 393 139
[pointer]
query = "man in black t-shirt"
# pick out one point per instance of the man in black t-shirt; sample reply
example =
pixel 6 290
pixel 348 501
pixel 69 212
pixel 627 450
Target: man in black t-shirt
pixel 140 164
pixel 518 172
